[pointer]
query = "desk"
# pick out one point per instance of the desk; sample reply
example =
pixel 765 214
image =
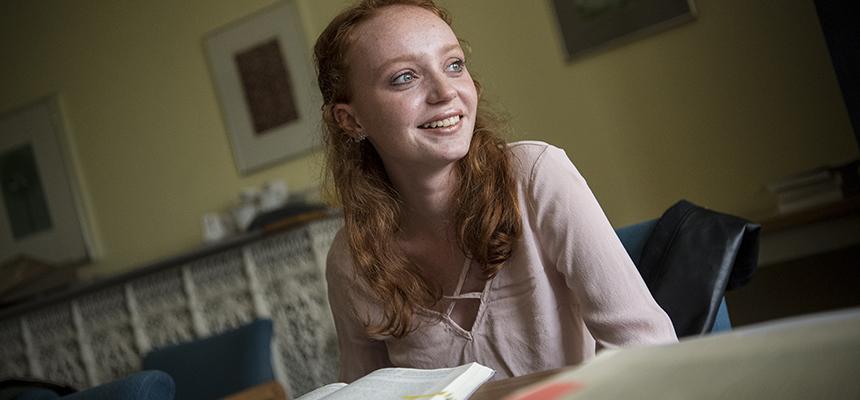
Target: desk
pixel 271 390
pixel 496 390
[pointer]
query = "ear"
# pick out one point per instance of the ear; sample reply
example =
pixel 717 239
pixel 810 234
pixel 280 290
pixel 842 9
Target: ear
pixel 344 114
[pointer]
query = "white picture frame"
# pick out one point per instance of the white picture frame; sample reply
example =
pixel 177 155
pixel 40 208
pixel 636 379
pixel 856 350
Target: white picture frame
pixel 262 36
pixel 64 237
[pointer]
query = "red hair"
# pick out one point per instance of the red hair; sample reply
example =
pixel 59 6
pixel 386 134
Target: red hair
pixel 485 203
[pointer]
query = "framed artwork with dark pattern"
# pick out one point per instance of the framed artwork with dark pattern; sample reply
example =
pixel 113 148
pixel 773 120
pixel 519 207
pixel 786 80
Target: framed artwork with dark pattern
pixel 263 77
pixel 590 26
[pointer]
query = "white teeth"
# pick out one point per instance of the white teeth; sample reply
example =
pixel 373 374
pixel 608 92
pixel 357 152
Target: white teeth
pixel 442 123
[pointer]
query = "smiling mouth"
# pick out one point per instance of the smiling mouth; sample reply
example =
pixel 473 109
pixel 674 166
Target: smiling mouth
pixel 442 123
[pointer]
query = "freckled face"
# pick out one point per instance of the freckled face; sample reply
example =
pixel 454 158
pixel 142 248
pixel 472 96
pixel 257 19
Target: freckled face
pixel 411 93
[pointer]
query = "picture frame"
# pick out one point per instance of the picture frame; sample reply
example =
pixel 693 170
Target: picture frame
pixel 591 26
pixel 263 76
pixel 41 203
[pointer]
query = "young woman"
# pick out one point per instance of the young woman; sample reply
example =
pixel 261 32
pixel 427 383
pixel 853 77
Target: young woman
pixel 457 247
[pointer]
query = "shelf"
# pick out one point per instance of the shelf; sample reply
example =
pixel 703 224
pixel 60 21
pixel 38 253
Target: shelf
pixel 841 209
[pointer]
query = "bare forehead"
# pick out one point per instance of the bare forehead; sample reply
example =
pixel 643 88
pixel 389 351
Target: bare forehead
pixel 396 23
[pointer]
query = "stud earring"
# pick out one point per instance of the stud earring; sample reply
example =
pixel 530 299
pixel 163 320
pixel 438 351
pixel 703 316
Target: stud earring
pixel 357 138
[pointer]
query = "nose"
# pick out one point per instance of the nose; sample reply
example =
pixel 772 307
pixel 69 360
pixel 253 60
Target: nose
pixel 441 89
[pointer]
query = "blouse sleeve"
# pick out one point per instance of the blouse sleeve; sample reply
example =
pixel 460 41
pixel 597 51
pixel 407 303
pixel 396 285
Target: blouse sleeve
pixel 359 354
pixel 574 232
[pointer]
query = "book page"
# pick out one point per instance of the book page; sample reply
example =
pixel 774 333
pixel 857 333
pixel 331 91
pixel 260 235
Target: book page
pixel 808 358
pixel 405 383
pixel 468 382
pixel 322 392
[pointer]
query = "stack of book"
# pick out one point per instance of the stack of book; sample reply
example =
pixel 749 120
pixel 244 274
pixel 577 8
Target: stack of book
pixel 806 190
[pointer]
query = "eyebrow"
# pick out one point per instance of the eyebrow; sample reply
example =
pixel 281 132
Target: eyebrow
pixel 411 56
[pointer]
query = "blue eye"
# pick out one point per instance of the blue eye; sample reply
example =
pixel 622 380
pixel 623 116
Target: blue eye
pixel 403 78
pixel 456 66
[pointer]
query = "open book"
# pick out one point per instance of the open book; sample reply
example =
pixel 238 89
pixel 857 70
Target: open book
pixel 408 384
pixel 811 357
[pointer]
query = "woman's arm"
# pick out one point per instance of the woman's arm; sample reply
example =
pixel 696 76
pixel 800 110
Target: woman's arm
pixel 359 354
pixel 574 232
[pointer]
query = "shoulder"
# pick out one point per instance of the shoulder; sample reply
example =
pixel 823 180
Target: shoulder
pixel 531 157
pixel 338 269
pixel 350 298
pixel 340 273
pixel 529 150
pixel 344 287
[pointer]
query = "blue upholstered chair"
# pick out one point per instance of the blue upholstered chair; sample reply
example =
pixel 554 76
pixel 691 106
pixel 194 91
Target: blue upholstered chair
pixel 219 365
pixel 143 385
pixel 208 368
pixel 634 237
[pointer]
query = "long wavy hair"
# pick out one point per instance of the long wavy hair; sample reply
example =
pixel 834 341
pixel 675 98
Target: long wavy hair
pixel 485 209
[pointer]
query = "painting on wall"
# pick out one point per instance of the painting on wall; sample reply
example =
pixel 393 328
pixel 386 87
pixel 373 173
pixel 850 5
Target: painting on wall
pixel 263 76
pixel 41 210
pixel 23 192
pixel 589 26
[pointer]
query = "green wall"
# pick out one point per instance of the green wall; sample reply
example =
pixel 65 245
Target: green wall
pixel 707 111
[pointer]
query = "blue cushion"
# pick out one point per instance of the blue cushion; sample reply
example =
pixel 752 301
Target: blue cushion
pixel 219 365
pixel 722 322
pixel 144 385
pixel 634 237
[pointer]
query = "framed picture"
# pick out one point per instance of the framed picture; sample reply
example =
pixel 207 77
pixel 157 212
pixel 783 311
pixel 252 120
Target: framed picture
pixel 588 26
pixel 264 79
pixel 41 209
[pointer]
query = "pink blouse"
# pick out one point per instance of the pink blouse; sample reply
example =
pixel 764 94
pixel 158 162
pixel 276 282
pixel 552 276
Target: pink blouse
pixel 568 288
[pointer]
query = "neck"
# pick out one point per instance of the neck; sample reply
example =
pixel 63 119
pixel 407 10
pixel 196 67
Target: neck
pixel 426 198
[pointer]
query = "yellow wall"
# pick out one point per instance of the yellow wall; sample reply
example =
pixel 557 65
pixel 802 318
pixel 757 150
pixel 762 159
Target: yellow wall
pixel 708 111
